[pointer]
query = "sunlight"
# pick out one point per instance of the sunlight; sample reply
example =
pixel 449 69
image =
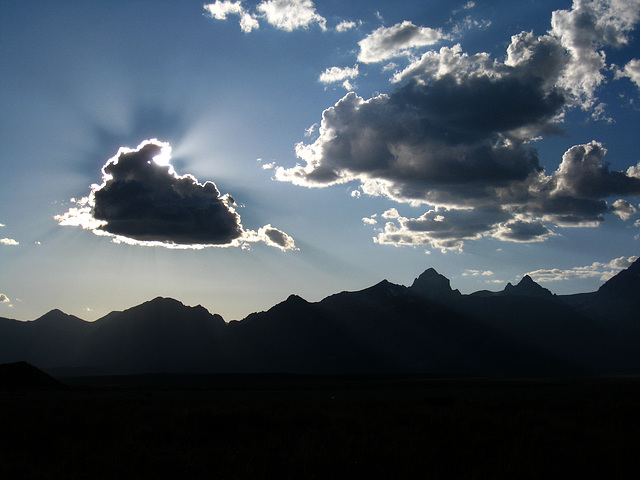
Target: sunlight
pixel 164 157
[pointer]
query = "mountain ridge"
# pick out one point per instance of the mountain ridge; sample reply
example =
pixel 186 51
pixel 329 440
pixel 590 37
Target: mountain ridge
pixel 427 327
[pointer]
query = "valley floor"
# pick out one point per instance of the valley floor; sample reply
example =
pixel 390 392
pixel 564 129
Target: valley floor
pixel 321 427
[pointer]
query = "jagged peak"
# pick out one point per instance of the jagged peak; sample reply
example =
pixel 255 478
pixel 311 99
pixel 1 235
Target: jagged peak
pixel 432 283
pixel 527 287
pixel 626 282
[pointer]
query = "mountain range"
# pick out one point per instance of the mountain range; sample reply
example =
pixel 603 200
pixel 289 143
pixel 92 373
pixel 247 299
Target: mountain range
pixel 427 328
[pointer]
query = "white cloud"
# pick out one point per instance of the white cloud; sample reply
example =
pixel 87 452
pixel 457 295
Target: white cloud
pixel 338 74
pixel 4 298
pixel 631 70
pixel 477 273
pixel 289 15
pixel 467 6
pixel 400 39
pixel 222 8
pixel 248 23
pixel 8 241
pixel 345 25
pixel 603 271
pixel 583 31
pixel 623 209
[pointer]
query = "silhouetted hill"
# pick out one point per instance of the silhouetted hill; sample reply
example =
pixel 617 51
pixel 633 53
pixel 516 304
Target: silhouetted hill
pixel 23 376
pixel 427 328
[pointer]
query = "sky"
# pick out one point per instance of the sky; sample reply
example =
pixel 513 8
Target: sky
pixel 232 153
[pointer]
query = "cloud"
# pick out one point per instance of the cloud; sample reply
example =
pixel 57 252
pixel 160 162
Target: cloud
pixel 632 71
pixel 583 31
pixel 220 10
pixel 388 42
pixel 338 74
pixel 467 6
pixel 142 201
pixel 4 298
pixel 457 134
pixel 441 228
pixel 623 209
pixel 287 15
pixel 603 271
pixel 477 273
pixel 8 241
pixel 345 25
pixel 276 238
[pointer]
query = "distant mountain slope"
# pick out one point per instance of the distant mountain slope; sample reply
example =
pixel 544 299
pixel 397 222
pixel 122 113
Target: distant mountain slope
pixel 429 328
pixel 23 376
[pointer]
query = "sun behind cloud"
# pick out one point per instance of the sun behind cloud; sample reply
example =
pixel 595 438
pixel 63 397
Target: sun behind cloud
pixel 143 201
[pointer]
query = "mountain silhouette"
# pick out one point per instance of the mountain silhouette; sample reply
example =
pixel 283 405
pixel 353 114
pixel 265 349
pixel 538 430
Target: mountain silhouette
pixel 21 376
pixel 427 328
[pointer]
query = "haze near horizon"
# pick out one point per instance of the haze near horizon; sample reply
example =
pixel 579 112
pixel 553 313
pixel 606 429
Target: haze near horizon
pixel 234 153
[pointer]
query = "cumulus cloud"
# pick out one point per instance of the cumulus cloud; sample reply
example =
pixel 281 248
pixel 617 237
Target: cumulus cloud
pixel 623 209
pixel 8 241
pixel 4 298
pixel 388 42
pixel 338 74
pixel 143 201
pixel 287 15
pixel 276 238
pixel 632 71
pixel 583 31
pixel 221 9
pixel 603 271
pixel 457 133
pixel 345 25
pixel 441 228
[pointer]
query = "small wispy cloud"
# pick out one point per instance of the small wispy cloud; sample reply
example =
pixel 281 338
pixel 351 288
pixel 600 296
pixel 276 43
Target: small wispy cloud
pixel 338 74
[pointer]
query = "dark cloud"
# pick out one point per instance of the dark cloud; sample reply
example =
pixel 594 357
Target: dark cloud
pixel 583 174
pixel 143 200
pixel 441 227
pixel 274 237
pixel 442 143
pixel 457 134
pixel 518 230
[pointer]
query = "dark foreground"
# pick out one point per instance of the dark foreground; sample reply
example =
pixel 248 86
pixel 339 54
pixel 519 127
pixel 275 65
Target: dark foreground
pixel 321 427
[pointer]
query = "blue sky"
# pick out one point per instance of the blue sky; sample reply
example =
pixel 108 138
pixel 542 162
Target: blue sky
pixel 281 146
